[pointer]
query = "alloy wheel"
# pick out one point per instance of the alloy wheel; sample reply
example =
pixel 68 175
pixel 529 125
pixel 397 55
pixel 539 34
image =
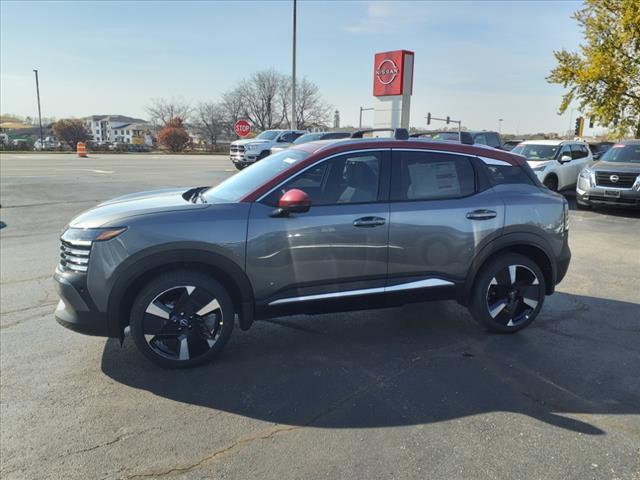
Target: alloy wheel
pixel 183 322
pixel 513 295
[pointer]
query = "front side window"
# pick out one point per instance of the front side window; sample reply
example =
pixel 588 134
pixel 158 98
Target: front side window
pixel 565 150
pixel 345 179
pixel 578 151
pixel 431 176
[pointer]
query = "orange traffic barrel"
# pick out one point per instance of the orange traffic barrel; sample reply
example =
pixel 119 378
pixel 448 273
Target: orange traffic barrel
pixel 82 149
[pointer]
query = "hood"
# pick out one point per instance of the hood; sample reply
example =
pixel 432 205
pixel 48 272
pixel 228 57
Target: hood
pixel 249 140
pixel 622 167
pixel 118 209
pixel 540 163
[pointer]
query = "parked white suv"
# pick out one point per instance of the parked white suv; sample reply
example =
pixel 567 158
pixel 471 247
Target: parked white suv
pixel 247 151
pixel 557 163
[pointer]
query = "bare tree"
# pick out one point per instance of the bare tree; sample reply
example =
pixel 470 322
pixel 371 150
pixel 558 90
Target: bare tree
pixel 234 105
pixel 211 121
pixel 161 111
pixel 311 109
pixel 261 96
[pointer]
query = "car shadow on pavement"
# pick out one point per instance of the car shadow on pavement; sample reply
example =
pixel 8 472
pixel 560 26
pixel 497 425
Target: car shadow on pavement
pixel 413 365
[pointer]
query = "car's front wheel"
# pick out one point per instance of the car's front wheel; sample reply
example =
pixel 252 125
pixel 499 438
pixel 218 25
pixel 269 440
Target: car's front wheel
pixel 182 319
pixel 551 182
pixel 508 293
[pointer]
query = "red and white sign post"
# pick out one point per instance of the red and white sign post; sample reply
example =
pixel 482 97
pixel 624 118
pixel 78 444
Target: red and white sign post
pixel 392 88
pixel 242 128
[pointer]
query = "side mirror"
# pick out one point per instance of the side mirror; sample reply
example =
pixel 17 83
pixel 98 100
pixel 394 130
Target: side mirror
pixel 596 155
pixel 292 201
pixel 283 140
pixel 565 158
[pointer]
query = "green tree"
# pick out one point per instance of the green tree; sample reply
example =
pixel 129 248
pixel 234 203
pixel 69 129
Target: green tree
pixel 174 135
pixel 71 131
pixel 604 76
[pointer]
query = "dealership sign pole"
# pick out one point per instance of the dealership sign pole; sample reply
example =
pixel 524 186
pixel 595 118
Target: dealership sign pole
pixel 392 88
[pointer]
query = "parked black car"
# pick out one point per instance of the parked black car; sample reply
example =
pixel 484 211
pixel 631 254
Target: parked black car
pixel 599 148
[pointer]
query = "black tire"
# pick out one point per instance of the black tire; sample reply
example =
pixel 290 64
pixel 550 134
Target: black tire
pixel 263 154
pixel 508 293
pixel 238 166
pixel 182 319
pixel 551 182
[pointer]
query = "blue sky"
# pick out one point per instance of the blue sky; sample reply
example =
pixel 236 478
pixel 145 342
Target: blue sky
pixel 478 61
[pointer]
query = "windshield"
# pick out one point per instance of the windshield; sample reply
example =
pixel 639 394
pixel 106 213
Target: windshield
pixel 246 181
pixel 308 137
pixel 536 152
pixel 268 135
pixel 622 153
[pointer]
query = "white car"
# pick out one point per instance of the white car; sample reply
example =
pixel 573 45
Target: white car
pixel 557 163
pixel 247 151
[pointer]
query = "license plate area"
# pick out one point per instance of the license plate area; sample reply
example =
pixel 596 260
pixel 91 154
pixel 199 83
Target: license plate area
pixel 612 193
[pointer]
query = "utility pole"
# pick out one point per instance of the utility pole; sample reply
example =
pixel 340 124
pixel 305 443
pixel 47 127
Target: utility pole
pixel 362 109
pixel 39 112
pixel 294 120
pixel 500 125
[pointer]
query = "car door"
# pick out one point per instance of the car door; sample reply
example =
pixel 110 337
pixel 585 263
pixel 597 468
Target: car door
pixel 438 218
pixel 564 170
pixel 336 249
pixel 580 158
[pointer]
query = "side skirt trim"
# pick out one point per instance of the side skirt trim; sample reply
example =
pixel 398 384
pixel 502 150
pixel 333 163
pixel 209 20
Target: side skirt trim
pixel 426 283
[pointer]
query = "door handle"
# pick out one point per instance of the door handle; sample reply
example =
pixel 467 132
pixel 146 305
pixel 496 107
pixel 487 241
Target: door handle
pixel 369 222
pixel 481 214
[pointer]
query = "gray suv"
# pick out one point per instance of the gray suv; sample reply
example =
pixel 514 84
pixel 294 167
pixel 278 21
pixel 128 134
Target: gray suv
pixel 323 226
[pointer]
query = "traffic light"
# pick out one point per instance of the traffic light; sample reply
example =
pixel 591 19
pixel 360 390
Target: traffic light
pixel 579 127
pixel 429 118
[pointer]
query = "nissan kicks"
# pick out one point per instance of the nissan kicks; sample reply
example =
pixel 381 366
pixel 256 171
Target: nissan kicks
pixel 323 226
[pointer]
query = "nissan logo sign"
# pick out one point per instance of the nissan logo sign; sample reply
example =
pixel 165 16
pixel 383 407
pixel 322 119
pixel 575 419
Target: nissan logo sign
pixel 387 71
pixel 614 178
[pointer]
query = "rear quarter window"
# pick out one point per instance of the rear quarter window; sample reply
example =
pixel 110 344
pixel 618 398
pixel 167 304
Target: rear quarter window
pixel 508 175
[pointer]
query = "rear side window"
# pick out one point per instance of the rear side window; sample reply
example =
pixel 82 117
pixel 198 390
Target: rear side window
pixel 508 174
pixel 431 176
pixel 579 151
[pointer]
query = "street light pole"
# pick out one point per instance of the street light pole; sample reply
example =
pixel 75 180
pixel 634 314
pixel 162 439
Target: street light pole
pixel 500 125
pixel 294 120
pixel 39 112
pixel 362 109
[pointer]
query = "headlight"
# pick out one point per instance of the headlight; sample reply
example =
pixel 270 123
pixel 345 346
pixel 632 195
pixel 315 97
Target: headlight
pixel 86 236
pixel 251 146
pixel 585 173
pixel 636 184
pixel 539 169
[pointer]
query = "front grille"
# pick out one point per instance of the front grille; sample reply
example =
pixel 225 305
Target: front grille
pixel 74 256
pixel 625 180
pixel 237 148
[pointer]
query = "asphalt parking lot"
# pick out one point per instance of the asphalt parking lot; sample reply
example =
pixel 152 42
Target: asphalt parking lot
pixel 414 392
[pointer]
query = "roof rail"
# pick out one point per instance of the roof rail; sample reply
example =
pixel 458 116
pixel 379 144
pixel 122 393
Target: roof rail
pixel 398 133
pixel 463 137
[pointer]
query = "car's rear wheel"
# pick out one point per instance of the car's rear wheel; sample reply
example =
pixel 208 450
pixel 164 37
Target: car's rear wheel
pixel 182 319
pixel 508 293
pixel 551 182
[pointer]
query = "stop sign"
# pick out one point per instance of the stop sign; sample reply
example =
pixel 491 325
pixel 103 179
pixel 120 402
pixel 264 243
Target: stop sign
pixel 242 128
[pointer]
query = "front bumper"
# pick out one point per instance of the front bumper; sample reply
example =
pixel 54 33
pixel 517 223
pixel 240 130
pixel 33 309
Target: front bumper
pixel 606 196
pixel 76 310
